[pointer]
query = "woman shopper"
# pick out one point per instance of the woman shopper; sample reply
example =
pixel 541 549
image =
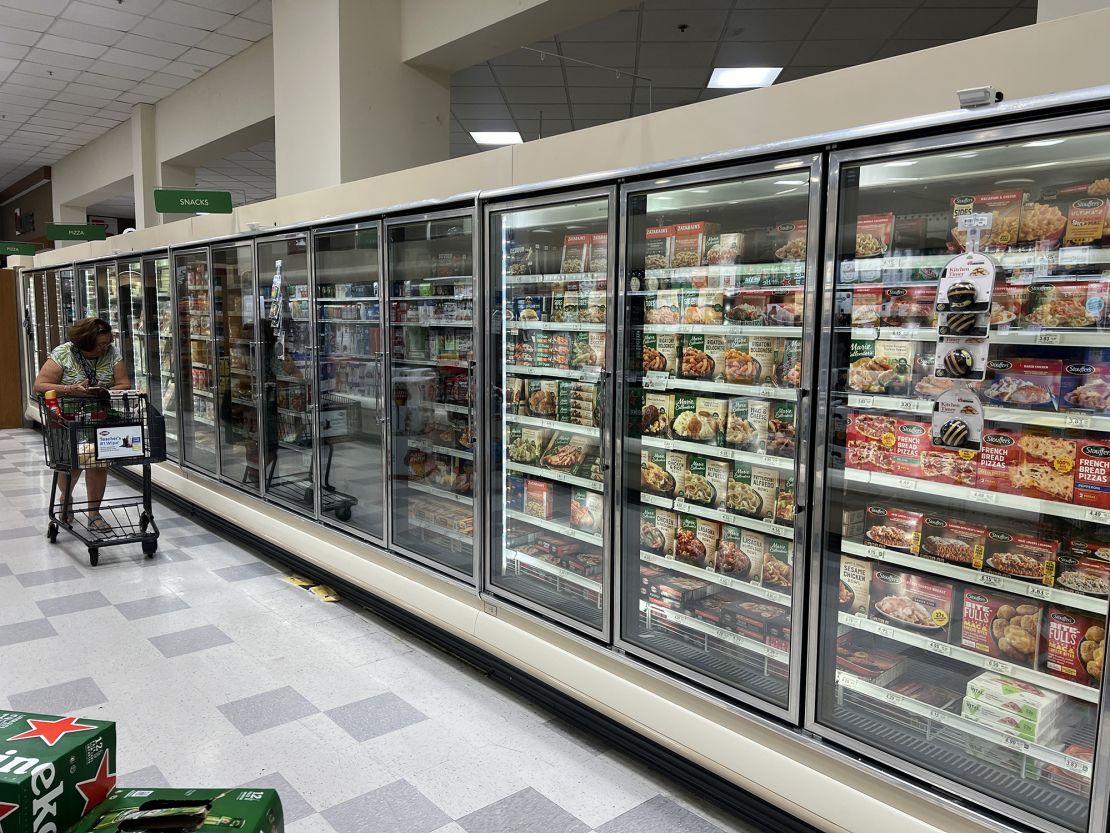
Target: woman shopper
pixel 86 365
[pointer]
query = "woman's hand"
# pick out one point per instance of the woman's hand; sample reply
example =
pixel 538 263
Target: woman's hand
pixel 80 389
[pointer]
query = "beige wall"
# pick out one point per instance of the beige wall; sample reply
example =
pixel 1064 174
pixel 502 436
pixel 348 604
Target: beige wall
pixel 39 202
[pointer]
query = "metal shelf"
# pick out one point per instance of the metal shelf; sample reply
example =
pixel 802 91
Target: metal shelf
pixel 720 452
pixel 555 570
pixel 554 525
pixel 1048 419
pixel 555 425
pixel 591 375
pixel 555 277
pixel 554 474
pixel 718 515
pixel 716 578
pixel 438 492
pixel 785 330
pixel 661 381
pixel 461 537
pixel 1086 337
pixel 687 621
pixel 561 326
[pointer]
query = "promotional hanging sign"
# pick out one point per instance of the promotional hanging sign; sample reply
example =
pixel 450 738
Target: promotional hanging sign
pixel 175 201
pixel 10 248
pixel 73 231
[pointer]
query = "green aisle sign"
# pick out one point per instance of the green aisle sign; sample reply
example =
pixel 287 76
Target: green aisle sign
pixel 72 231
pixel 169 201
pixel 7 248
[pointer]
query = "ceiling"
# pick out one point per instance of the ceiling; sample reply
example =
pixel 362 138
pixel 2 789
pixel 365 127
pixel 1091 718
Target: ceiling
pixel 676 44
pixel 72 69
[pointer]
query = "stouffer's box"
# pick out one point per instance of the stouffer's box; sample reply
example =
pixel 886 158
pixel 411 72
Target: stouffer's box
pixel 913 602
pixel 1092 473
pixel 1074 645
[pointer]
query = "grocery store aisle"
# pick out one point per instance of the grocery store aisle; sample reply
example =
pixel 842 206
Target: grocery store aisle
pixel 220 673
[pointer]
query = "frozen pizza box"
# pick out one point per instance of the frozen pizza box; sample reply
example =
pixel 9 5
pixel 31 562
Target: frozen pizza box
pixel 1000 461
pixel 916 603
pixel 867 305
pixel 710 609
pixel 957 467
pixel 870 440
pixel 1074 645
pixel 1048 466
pixel 1005 210
pixel 874 233
pixel 1092 473
pixel 1018 697
pixel 1066 305
pixel 1020 555
pixel 649 575
pixel 1085 386
pixel 945 538
pixel 1001 625
pixel 854 590
pixel 911 444
pixel 1022 383
pixel 893 528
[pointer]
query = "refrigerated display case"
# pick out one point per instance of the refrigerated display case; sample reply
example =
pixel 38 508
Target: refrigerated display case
pixel 158 329
pixel 107 294
pixel 716 349
pixel 430 275
pixel 68 303
pixel 550 360
pixel 132 338
pixel 89 297
pixel 53 309
pixel 285 346
pixel 196 377
pixel 30 333
pixel 960 605
pixel 40 313
pixel 351 377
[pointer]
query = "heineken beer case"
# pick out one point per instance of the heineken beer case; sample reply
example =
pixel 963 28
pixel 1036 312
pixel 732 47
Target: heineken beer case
pixel 53 770
pixel 180 811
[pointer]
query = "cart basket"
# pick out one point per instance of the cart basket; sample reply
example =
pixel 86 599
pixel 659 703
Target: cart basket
pixel 119 428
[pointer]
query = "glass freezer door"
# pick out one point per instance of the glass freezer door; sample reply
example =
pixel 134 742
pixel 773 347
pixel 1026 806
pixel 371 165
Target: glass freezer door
pixel 237 394
pixel 551 355
pixel 351 377
pixel 53 318
pixel 132 340
pixel 197 377
pixel 431 360
pixel 68 311
pixel 718 280
pixel 89 306
pixel 41 317
pixel 966 530
pixel 285 346
pixel 158 326
pixel 107 296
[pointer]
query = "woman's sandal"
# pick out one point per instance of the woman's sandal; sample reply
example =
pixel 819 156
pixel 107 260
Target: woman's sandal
pixel 99 525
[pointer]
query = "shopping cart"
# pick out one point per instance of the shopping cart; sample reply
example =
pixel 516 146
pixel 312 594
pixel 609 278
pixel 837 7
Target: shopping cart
pixel 119 428
pixel 340 418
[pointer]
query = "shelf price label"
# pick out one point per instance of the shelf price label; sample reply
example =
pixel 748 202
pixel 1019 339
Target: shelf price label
pixel 655 382
pixel 1077 421
pixel 906 483
pixel 988 580
pixel 856 401
pixel 1077 765
pixel 1100 516
pixel 1036 591
pixel 939 648
pixel 884 630
pixel 938 715
pixel 909 405
pixel 983 496
pixel 877 553
pixel 767 391
pixel 899 333
pixel 894 698
pixel 1046 338
pixel 1017 743
pixel 998 665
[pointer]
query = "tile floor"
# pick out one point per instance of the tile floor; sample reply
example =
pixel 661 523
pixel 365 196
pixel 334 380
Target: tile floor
pixel 220 673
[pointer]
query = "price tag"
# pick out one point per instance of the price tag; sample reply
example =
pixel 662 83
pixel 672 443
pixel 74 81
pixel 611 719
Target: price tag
pixel 899 333
pixel 939 648
pixel 938 715
pixel 1077 765
pixel 856 401
pixel 998 665
pixel 865 333
pixel 668 445
pixel 891 697
pixel 680 504
pixel 591 374
pixel 906 483
pixel 983 496
pixel 1017 743
pixel 980 221
pixel 884 630
pixel 1075 255
pixel 877 553
pixel 767 391
pixel 908 405
pixel 989 580
pixel 1036 591
pixel 1046 338
pixel 1077 421
pixel 1099 516
pixel 655 383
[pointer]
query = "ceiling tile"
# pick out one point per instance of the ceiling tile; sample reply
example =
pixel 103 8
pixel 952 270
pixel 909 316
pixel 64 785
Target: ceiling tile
pixel 472 76
pixel 76 109
pixel 118 106
pixel 35 81
pixel 223 44
pixel 248 29
pixel 606 54
pixel 91 92
pixel 756 54
pixel 58 59
pixel 104 16
pixel 171 32
pixel 99 121
pixel 167 79
pixel 55 120
pixel 83 31
pixel 600 95
pixel 13 50
pixel 944 23
pixel 105 82
pixel 852 24
pixel 616 27
pixel 599 111
pixel 151 46
pixel 679 55
pixel 664 76
pixel 531 95
pixel 122 71
pixel 140 7
pixel 146 88
pixel 794 73
pixel 138 98
pixel 70 46
pixel 59 73
pixel 481 111
pixel 530 76
pixel 29 93
pixel 479 95
pixel 1014 19
pixel 667 95
pixel 9 34
pixel 203 57
pixel 185 14
pixel 770 24
pixel 135 59
pixel 588 76
pixel 666 25
pixel 260 12
pixel 51 7
pixel 823 53
pixel 24 20
pixel 183 69
pixel 488 124
pixel 229 6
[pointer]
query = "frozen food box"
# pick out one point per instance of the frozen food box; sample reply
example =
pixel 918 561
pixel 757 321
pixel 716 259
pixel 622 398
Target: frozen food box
pixel 870 441
pixel 752 490
pixel 883 367
pixel 703 356
pixel 1020 555
pixel 868 659
pixel 710 609
pixel 731 560
pixel 781 429
pixel 747 360
pixel 699 419
pixel 855 586
pixel 1092 473
pixel 755 619
pixel 1084 206
pixel 696 541
pixel 1048 466
pixel 650 575
pixel 599 252
pixel 960 542
pixel 1043 732
pixel 658 246
pixel 957 467
pixel 1085 386
pixel 706 481
pixel 908 306
pixel 867 305
pixel 655 476
pixel 530 308
pixel 576 249
pixel 690 243
pixel 1005 208
pixel 586 510
pixel 893 528
pixel 1008 302
pixel 1018 697
pixel 656 414
pixel 911 445
pixel 789 373
pixel 786 500
pixel 1074 645
pixel 1081 574
pixel 912 602
pixel 753 546
pixel 722 248
pixel 1022 383
pixel 1042 224
pixel 874 233
pixel 1066 305
pixel 747 423
pixel 662 307
pixel 785 308
pixel 778 560
pixel 678 466
pixel 702 306
pixel 791 240
pixel 657 530
pixel 742 307
pixel 1001 625
pixel 539 499
pixel 681 589
pixel 1000 461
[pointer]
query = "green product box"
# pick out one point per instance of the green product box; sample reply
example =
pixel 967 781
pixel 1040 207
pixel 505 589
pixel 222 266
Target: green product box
pixel 53 770
pixel 242 809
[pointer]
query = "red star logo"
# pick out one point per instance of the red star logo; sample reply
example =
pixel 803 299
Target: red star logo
pixel 5 811
pixel 51 731
pixel 96 789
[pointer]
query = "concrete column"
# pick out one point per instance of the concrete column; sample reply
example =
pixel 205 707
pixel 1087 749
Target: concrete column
pixel 176 176
pixel 1053 9
pixel 148 174
pixel 345 104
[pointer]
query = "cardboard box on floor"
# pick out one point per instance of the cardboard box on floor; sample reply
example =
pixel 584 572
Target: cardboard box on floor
pixel 240 808
pixel 53 770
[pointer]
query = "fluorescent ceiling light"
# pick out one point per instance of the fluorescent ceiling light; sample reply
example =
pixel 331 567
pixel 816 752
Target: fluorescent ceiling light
pixel 737 78
pixel 1043 143
pixel 496 137
pixel 791 181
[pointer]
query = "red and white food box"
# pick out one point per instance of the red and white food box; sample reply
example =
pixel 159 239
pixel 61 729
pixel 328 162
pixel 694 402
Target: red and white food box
pixel 954 540
pixel 873 234
pixel 1074 645
pixel 1047 469
pixel 1001 625
pixel 870 439
pixel 658 244
pixel 892 528
pixel 1021 556
pixel 1022 383
pixel 912 602
pixel 1085 386
pixel 576 253
pixel 690 243
pixel 599 252
pixel 911 440
pixel 1092 473
pixel 1082 574
pixel 909 306
pixel 539 499
pixel 867 304
pixel 1007 304
pixel 1005 208
pixel 957 467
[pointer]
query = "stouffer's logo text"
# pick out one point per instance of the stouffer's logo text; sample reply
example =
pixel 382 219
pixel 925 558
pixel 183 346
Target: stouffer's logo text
pixel 998 439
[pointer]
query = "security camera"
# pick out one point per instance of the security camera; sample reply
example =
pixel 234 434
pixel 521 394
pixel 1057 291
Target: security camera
pixel 978 97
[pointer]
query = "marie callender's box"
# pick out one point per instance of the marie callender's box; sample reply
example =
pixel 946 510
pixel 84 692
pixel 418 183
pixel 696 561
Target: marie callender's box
pixel 242 809
pixel 53 770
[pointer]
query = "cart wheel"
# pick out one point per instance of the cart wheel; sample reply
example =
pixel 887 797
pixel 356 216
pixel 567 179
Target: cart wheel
pixel 343 514
pixel 52 533
pixel 94 556
pixel 150 547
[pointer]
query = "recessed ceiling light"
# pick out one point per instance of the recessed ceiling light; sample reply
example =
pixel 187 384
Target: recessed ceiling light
pixel 901 163
pixel 743 78
pixel 496 137
pixel 1043 143
pixel 791 181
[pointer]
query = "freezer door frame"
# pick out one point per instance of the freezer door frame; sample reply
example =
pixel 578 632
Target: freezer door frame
pixel 175 353
pixel 472 581
pixel 181 445
pixel 126 328
pixel 813 163
pixel 838 159
pixel 260 358
pixel 383 429
pixel 489 590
